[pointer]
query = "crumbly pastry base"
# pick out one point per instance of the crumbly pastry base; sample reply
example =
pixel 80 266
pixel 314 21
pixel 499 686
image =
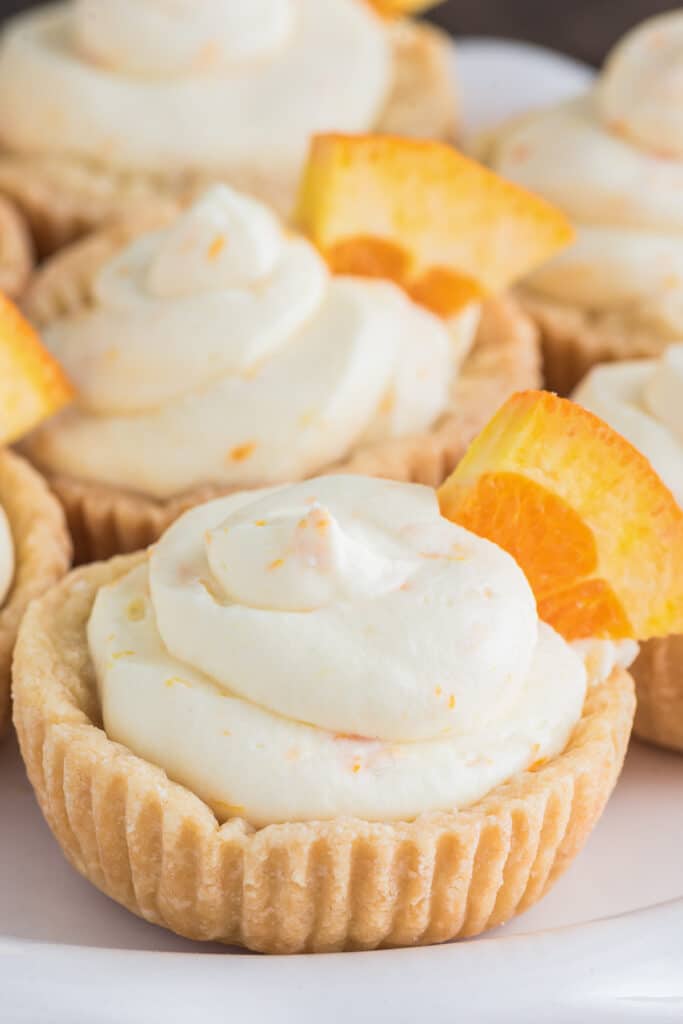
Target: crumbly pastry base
pixel 105 521
pixel 64 198
pixel 154 847
pixel 42 554
pixel 659 686
pixel 16 250
pixel 574 340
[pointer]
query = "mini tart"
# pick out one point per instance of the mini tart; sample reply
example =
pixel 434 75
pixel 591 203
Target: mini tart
pixel 42 552
pixel 154 847
pixel 658 673
pixel 106 521
pixel 64 198
pixel 16 250
pixel 574 340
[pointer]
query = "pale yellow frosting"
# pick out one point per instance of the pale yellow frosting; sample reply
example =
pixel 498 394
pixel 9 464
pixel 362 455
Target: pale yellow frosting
pixel 221 350
pixel 613 160
pixel 332 648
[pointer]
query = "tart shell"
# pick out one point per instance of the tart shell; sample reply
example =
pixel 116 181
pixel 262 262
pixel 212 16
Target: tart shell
pixel 573 340
pixel 42 553
pixel 344 884
pixel 659 685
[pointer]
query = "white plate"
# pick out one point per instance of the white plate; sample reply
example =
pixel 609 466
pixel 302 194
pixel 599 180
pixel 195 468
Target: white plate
pixel 605 946
pixel 499 79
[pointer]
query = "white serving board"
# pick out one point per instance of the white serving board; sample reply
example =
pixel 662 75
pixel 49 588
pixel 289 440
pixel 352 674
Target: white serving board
pixel 605 946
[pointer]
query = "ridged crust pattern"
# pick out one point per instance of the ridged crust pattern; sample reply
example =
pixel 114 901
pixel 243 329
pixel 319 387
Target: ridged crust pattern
pixel 157 849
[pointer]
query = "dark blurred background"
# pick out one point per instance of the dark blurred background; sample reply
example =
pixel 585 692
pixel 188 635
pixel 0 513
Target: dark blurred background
pixel 581 28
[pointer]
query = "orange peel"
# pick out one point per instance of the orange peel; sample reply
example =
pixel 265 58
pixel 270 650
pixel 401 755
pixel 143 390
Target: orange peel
pixel 597 533
pixel 32 384
pixel 444 227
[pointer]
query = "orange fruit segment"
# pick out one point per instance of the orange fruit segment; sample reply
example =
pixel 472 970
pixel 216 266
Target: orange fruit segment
pixel 419 213
pixel 32 384
pixel 584 514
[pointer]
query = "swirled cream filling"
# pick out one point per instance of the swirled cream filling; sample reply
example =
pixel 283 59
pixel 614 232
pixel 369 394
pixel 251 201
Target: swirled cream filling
pixel 332 648
pixel 613 160
pixel 643 400
pixel 170 86
pixel 221 350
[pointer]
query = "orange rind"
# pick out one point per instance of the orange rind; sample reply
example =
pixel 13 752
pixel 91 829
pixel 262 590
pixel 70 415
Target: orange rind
pixel 419 213
pixel 584 514
pixel 32 384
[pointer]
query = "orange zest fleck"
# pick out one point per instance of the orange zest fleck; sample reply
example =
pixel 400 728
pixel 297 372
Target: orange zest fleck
pixel 242 452
pixel 277 564
pixel 226 811
pixel 135 612
pixel 217 247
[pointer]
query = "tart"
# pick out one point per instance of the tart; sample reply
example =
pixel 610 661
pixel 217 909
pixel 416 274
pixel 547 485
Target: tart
pixel 374 350
pixel 104 107
pixel 16 250
pixel 642 399
pixel 458 750
pixel 35 549
pixel 612 159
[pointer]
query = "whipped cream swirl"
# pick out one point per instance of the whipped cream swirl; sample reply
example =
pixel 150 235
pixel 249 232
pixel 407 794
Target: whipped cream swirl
pixel 643 400
pixel 613 160
pixel 220 350
pixel 6 555
pixel 224 87
pixel 331 648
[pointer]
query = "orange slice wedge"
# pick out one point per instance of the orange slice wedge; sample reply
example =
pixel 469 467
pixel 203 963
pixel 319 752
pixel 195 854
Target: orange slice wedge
pixel 421 214
pixel 597 533
pixel 393 8
pixel 32 384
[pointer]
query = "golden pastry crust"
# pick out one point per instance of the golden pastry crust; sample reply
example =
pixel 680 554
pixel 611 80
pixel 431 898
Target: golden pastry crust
pixel 659 686
pixel 157 849
pixel 64 198
pixel 42 551
pixel 16 250
pixel 105 521
pixel 574 340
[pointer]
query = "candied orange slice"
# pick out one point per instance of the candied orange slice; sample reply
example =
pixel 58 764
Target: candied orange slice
pixel 597 533
pixel 32 384
pixel 419 213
